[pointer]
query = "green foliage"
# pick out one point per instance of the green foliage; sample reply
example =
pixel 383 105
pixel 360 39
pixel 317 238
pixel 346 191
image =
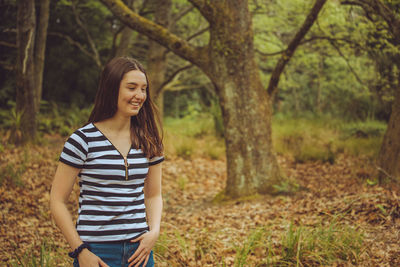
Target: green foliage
pixel 286 186
pixel 185 148
pixel 12 122
pixel 252 242
pixel 182 181
pixel 320 245
pixel 13 173
pixel 323 138
pixel 49 256
pixel 62 120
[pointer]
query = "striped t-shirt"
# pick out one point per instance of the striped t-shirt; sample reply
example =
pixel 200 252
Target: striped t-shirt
pixel 111 200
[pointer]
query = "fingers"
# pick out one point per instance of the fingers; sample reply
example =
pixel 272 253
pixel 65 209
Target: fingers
pixel 143 255
pixel 147 259
pixel 137 239
pixel 136 254
pixel 102 263
pixel 139 260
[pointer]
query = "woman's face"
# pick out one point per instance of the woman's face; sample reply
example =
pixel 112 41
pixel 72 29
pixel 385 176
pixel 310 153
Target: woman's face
pixel 132 93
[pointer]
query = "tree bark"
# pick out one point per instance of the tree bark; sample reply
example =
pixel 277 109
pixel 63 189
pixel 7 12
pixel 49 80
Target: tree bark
pixel 26 93
pixel 157 61
pixel 230 64
pixel 245 104
pixel 40 49
pixel 125 40
pixel 389 154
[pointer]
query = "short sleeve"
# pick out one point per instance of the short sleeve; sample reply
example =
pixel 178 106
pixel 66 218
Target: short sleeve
pixel 156 160
pixel 75 150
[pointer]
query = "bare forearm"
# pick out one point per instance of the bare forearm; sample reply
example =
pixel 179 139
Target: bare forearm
pixel 63 219
pixel 154 207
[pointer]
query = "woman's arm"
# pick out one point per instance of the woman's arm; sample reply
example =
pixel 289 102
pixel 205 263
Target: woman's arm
pixel 153 198
pixel 61 188
pixel 153 202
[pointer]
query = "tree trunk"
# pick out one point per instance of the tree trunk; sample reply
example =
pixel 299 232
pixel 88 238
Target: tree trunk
pixel 26 93
pixel 389 155
pixel 245 104
pixel 125 40
pixel 157 61
pixel 40 49
pixel 228 60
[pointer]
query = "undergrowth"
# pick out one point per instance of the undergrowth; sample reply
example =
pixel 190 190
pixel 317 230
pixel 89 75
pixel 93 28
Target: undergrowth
pixel 325 243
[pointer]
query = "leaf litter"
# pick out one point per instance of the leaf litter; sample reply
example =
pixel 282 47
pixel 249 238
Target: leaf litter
pixel 197 231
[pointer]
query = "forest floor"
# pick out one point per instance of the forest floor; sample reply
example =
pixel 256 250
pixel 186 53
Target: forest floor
pixel 197 231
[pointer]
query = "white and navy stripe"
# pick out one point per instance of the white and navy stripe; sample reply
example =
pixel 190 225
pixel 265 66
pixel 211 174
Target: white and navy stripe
pixel 111 207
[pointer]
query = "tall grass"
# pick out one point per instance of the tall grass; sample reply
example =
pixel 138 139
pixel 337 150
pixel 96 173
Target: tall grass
pixel 322 139
pixel 48 255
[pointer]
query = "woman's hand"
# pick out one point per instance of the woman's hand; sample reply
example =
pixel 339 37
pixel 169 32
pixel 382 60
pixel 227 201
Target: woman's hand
pixel 89 259
pixel 142 253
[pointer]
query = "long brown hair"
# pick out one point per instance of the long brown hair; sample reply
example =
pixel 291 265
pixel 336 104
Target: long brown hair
pixel 145 130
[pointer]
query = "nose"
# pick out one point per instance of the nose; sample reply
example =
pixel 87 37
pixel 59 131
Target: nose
pixel 140 95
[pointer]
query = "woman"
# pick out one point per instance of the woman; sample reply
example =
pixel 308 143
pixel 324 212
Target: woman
pixel 117 157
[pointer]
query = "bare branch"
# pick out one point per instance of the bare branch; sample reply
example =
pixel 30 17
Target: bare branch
pixel 332 42
pixel 8 44
pixel 181 14
pixel 269 54
pixel 196 55
pixel 92 45
pixel 7 66
pixel 294 43
pixel 197 33
pixel 74 43
pixel 173 75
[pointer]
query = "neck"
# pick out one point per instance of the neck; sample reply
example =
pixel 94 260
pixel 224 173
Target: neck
pixel 118 123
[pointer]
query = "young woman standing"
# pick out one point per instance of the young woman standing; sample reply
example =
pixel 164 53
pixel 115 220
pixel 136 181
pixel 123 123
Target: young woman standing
pixel 117 157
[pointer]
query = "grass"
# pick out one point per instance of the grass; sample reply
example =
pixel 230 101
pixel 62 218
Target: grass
pixel 321 245
pixel 191 136
pixel 328 242
pixel 47 256
pixel 198 135
pixel 13 169
pixel 323 139
pixel 304 140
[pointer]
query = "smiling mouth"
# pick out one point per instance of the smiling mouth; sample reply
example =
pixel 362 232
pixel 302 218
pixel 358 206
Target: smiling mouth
pixel 135 104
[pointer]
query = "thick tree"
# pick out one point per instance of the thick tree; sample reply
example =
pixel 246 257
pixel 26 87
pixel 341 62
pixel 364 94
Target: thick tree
pixel 31 43
pixel 156 55
pixel 228 60
pixel 26 93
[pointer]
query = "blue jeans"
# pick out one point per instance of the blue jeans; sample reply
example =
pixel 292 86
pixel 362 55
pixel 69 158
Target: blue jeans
pixel 116 254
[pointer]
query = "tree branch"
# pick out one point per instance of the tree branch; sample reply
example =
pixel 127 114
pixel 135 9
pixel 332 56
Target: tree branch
pixel 74 43
pixel 269 54
pixel 7 66
pixel 312 16
pixel 197 33
pixel 92 45
pixel 196 55
pixel 8 44
pixel 332 42
pixel 393 22
pixel 205 9
pixel 180 15
pixel 172 76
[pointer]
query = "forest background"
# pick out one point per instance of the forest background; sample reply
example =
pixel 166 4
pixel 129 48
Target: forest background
pixel 329 78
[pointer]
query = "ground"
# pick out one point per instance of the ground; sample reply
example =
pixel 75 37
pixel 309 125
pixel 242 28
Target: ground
pixel 197 231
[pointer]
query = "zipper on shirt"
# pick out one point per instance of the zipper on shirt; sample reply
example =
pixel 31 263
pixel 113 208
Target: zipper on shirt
pixel 126 168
